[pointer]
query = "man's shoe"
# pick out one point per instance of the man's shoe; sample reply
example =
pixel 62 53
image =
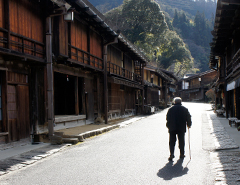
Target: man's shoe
pixel 171 157
pixel 182 156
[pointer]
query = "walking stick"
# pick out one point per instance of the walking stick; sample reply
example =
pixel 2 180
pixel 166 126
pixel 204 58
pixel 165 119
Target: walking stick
pixel 189 143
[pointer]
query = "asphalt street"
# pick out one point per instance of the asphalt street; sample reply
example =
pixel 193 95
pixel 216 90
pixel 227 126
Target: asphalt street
pixel 135 154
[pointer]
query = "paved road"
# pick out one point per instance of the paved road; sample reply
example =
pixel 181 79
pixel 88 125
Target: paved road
pixel 136 154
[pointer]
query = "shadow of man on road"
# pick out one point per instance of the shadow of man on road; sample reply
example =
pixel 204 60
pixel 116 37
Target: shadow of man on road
pixel 170 171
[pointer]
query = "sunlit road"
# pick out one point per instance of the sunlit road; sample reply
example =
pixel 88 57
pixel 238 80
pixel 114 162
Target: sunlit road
pixel 136 154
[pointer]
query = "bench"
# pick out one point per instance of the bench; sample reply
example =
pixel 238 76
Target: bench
pixel 237 123
pixel 220 112
pixel 232 121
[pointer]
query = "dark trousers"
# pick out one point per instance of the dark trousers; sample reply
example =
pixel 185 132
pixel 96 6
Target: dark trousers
pixel 172 141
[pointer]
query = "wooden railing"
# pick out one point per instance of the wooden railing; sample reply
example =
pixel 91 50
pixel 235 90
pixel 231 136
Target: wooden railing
pixel 85 57
pixel 21 44
pixel 234 64
pixel 122 72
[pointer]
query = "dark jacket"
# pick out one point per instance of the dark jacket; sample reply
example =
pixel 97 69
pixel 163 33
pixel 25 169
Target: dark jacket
pixel 178 117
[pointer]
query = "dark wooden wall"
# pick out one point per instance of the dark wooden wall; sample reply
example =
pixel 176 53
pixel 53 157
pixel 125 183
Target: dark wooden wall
pixel 79 35
pixel 18 106
pixel 98 95
pixel 95 49
pixel 63 35
pixel 120 97
pixel 114 97
pixel 129 96
pixel 26 20
pixel 114 56
pixel 86 45
pixel 2 18
pixel 208 78
pixel 128 63
pixel 89 98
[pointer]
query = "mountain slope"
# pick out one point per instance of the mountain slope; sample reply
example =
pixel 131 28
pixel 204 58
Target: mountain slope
pixel 192 20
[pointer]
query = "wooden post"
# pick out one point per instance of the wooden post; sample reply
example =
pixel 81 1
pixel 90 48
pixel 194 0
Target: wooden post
pixel 6 124
pixel 143 95
pixel 50 115
pixel 7 21
pixel 76 97
pixel 105 83
pixel 166 93
pixel 98 97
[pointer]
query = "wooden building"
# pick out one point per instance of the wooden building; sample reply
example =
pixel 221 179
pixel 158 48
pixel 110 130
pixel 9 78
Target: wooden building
pixel 225 49
pixel 61 66
pixel 22 61
pixel 171 86
pixel 125 79
pixel 194 87
pixel 155 85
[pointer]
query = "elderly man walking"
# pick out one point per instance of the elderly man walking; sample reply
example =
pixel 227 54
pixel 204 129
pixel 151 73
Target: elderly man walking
pixel 178 117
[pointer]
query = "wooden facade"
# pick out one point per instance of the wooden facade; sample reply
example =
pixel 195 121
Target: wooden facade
pixel 57 74
pixel 156 90
pixel 125 84
pixel 225 49
pixel 21 51
pixel 194 87
pixel 171 86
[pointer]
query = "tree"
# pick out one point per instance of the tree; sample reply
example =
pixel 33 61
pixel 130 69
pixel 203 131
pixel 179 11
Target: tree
pixel 143 18
pixel 144 24
pixel 210 95
pixel 175 19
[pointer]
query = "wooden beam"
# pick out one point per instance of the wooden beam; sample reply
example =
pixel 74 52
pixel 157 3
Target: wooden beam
pixel 105 83
pixel 7 21
pixel 98 97
pixel 49 75
pixel 76 97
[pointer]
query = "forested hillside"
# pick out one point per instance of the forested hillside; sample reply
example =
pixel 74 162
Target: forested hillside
pixel 175 35
pixel 189 6
pixel 106 5
pixel 193 21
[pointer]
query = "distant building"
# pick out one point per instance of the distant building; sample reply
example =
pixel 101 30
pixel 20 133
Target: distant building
pixel 193 87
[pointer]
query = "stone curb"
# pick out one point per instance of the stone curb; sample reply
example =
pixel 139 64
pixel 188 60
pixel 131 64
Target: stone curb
pixel 224 163
pixel 19 161
pixel 96 132
pixel 222 139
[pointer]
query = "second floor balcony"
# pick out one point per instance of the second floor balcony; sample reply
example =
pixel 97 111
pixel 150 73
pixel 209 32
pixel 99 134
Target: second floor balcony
pixel 122 72
pixel 20 45
pixel 234 64
pixel 85 58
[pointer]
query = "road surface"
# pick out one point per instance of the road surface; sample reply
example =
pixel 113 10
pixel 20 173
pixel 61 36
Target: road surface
pixel 136 154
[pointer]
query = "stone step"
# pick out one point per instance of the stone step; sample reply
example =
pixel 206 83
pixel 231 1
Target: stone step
pixel 80 137
pixel 70 140
pixel 56 140
pixel 59 134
